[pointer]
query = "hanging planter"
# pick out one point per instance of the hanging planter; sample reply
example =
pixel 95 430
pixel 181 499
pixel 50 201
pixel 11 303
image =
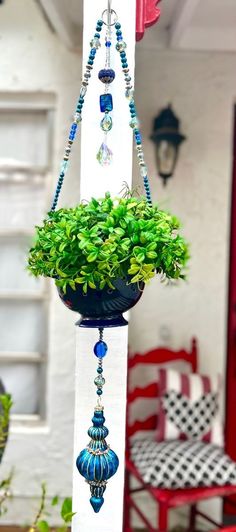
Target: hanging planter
pixel 103 252
pixel 103 307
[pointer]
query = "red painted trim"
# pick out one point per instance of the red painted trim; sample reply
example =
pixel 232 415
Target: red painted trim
pixel 148 392
pixel 147 14
pixel 230 436
pixel 163 355
pixel 148 424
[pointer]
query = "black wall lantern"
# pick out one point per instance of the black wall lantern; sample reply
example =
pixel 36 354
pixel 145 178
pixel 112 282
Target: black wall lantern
pixel 167 138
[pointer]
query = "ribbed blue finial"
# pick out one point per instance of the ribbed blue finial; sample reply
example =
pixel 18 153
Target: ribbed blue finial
pixel 97 463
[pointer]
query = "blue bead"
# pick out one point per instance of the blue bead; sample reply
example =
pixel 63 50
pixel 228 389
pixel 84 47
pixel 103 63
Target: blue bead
pixel 99 370
pixel 118 32
pixel 71 137
pixel 100 22
pixel 117 25
pixel 90 62
pixel 119 38
pixel 106 75
pixel 93 51
pixel 98 28
pixel 108 44
pixel 122 54
pixel 97 35
pixel 99 392
pixel 100 349
pixel 106 102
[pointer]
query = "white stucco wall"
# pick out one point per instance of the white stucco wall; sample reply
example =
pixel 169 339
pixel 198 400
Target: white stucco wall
pixel 202 90
pixel 34 59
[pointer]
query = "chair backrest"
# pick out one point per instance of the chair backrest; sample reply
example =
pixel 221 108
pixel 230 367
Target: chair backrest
pixel 155 357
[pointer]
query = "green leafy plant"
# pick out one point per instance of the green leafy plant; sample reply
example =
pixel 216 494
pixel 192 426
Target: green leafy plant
pixel 5 484
pixel 5 492
pixel 97 242
pixel 5 408
pixel 40 523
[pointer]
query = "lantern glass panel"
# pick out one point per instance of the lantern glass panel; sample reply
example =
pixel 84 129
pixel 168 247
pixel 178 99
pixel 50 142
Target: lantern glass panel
pixel 166 154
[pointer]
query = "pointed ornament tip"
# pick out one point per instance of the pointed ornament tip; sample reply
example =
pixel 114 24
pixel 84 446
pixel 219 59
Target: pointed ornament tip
pixel 96 503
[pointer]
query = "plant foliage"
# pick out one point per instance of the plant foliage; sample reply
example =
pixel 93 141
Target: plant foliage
pixel 6 404
pixel 96 242
pixel 41 524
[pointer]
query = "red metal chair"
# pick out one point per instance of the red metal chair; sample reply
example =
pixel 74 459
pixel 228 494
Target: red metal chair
pixel 166 499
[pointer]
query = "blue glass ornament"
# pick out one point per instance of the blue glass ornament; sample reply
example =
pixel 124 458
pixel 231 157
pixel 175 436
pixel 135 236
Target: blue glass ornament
pixel 97 463
pixel 106 102
pixel 100 349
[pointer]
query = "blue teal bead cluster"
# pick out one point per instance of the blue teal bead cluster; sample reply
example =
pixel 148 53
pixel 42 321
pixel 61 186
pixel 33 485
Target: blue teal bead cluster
pixel 94 46
pixel 97 463
pixel 100 351
pixel 106 75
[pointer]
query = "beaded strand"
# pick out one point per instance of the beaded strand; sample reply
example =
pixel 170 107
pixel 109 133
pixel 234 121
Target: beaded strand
pixel 100 351
pixel 134 122
pixel 95 45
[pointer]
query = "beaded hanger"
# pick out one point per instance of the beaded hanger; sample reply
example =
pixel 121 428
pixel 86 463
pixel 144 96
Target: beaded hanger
pixel 97 462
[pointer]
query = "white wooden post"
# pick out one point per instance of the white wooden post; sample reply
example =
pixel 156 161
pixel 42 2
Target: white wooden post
pixel 95 181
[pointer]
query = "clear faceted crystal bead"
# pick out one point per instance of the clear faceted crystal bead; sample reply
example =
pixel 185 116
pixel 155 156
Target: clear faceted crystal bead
pixel 134 123
pixel 104 155
pixel 64 166
pixel 121 46
pixel 106 123
pixel 77 118
pixel 95 43
pixel 83 91
pixel 129 93
pixel 143 171
pixel 99 381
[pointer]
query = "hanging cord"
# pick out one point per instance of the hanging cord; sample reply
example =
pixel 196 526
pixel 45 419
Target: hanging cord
pixel 134 122
pixel 95 44
pixel 109 12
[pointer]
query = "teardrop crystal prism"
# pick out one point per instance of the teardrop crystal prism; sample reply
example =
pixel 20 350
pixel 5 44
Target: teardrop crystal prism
pixel 106 123
pixel 104 155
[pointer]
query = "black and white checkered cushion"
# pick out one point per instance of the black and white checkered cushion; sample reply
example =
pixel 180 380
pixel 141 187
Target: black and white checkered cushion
pixel 182 464
pixel 193 419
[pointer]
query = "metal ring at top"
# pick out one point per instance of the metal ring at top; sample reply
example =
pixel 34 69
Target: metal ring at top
pixel 106 12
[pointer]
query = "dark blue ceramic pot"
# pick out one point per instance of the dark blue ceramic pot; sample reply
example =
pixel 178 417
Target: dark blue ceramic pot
pixel 103 308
